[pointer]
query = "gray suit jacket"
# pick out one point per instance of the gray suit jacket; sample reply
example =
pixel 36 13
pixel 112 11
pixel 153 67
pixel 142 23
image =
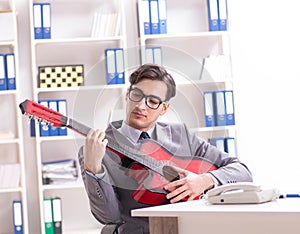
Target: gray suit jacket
pixel 111 195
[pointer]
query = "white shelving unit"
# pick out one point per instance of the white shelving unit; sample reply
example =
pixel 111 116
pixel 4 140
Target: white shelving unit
pixel 11 146
pixel 198 59
pixel 72 43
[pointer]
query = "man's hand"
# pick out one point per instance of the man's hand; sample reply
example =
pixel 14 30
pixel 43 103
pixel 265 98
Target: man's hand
pixel 94 150
pixel 189 185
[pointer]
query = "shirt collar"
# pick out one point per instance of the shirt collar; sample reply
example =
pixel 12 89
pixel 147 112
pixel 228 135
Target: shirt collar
pixel 133 133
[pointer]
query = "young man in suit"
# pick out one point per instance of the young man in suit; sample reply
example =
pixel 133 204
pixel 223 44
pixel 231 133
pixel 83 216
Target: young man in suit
pixel 109 182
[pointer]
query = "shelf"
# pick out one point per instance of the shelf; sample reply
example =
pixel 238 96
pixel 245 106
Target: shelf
pixel 7 43
pixel 10 190
pixel 8 92
pixel 72 43
pixel 12 147
pixel 77 40
pixel 203 82
pixel 181 36
pixel 55 138
pixel 9 141
pixel 83 88
pixel 215 129
pixel 76 21
pixel 71 185
pixel 211 43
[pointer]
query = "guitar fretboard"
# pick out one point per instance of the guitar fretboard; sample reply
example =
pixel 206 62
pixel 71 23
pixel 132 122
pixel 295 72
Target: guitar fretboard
pixel 134 154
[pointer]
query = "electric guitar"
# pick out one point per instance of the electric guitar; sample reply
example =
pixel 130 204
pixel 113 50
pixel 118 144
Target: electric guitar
pixel 152 167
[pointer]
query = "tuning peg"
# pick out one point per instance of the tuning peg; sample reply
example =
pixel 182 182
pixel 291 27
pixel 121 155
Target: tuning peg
pixel 29 118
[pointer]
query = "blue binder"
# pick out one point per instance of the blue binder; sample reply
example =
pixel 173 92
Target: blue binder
pixel 219 99
pixel 32 128
pixel 222 9
pixel 153 55
pixel 154 24
pixel 111 77
pixel 209 109
pixel 52 104
pixel 10 71
pixel 120 68
pixel 229 106
pixel 213 15
pixel 17 217
pixel 46 20
pixel 2 72
pixel 44 129
pixel 145 16
pixel 230 146
pixel 162 16
pixel 62 108
pixel 37 21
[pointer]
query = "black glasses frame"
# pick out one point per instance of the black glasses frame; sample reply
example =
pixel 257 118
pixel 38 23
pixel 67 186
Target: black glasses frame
pixel 146 98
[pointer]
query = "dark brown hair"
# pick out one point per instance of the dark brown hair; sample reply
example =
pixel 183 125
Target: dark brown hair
pixel 154 72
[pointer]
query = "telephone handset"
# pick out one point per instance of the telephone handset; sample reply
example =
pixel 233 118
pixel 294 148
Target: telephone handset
pixel 240 193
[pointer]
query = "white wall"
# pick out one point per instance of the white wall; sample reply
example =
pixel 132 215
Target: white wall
pixel 265 47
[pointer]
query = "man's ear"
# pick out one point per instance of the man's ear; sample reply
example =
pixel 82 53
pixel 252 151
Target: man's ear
pixel 165 107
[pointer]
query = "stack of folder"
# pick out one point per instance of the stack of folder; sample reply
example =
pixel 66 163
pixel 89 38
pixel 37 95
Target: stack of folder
pixel 42 20
pixel 219 108
pixel 154 55
pixel 154 16
pixel 7 72
pixel 115 68
pixel 217 15
pixel 52 215
pixel 60 172
pixel 106 24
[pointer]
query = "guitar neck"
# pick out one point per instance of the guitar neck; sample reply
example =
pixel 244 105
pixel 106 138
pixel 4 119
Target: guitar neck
pixel 118 148
pixel 78 127
pixel 48 115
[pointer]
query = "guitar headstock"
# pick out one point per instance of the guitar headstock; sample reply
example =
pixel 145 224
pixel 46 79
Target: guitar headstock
pixel 43 114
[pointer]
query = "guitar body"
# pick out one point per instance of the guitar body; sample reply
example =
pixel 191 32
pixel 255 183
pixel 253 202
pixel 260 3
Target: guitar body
pixel 150 190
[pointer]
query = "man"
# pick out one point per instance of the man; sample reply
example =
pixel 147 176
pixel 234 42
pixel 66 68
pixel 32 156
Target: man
pixel 106 174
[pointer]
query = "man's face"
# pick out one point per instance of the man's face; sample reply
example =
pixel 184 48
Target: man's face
pixel 138 114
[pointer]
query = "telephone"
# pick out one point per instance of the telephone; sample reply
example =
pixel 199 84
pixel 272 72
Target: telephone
pixel 240 193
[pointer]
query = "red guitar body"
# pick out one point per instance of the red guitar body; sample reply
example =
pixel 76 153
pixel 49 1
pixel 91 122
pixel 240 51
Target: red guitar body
pixel 150 190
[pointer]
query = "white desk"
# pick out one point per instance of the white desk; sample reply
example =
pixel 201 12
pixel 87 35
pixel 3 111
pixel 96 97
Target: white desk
pixel 281 216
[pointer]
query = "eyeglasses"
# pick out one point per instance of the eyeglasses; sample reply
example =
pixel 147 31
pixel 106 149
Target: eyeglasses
pixel 136 95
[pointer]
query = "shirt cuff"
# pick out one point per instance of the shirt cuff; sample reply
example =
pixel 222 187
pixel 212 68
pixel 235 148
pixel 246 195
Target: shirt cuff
pixel 96 176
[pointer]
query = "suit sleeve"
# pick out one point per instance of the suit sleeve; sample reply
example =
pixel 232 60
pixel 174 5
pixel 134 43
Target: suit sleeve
pixel 102 197
pixel 230 169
